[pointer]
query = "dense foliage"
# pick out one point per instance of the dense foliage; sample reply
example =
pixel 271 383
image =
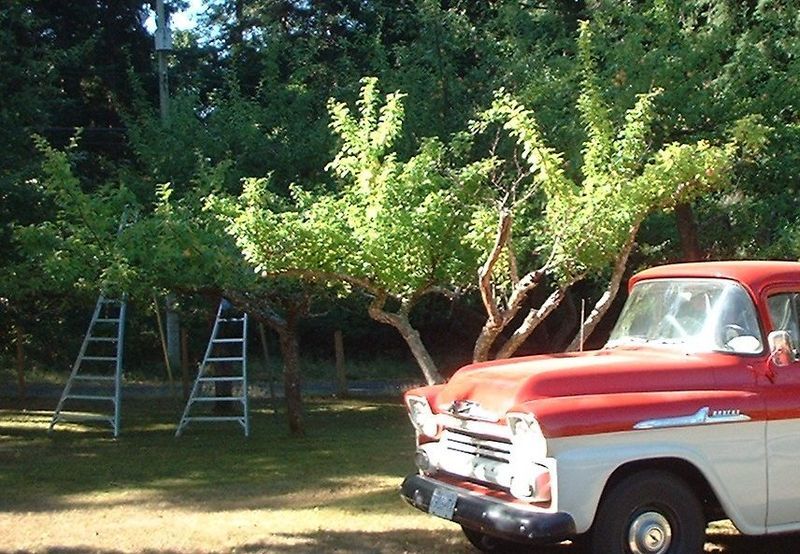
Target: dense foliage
pixel 516 144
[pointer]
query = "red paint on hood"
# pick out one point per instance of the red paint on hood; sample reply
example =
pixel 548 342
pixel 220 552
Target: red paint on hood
pixel 500 385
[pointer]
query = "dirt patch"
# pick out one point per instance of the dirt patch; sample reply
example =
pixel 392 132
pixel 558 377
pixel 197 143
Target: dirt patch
pixel 212 491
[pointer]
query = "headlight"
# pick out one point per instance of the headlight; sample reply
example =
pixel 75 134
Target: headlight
pixel 526 436
pixel 421 416
pixel 529 480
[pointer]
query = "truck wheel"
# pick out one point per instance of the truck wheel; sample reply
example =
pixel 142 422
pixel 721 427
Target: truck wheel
pixel 490 544
pixel 652 512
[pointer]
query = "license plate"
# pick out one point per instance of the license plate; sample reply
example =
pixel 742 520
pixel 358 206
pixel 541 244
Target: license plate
pixel 443 503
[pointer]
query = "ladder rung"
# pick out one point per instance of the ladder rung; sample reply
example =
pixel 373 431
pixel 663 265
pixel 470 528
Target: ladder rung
pixel 217 379
pixel 89 397
pixel 214 418
pixel 226 359
pixel 99 358
pixel 215 398
pixel 231 319
pixel 111 301
pixel 103 339
pixel 227 340
pixel 95 377
pixel 107 320
pixel 82 417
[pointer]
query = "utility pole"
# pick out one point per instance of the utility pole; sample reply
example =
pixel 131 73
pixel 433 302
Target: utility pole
pixel 163 40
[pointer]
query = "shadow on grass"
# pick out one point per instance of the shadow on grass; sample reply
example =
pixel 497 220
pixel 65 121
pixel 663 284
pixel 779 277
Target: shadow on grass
pixel 741 544
pixel 426 541
pixel 349 443
pixel 406 541
pixel 353 459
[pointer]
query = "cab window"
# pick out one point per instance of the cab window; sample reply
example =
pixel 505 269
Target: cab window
pixel 783 312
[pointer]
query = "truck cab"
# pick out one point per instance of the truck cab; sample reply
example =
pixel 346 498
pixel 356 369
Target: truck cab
pixel 689 414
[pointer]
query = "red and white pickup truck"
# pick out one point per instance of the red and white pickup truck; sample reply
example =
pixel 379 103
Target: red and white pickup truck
pixel 689 414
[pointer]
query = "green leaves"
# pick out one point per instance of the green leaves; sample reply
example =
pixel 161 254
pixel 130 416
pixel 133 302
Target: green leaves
pixel 586 221
pixel 394 226
pixel 367 140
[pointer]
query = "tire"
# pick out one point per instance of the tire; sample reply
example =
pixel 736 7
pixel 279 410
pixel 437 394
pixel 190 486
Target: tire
pixel 652 512
pixel 489 544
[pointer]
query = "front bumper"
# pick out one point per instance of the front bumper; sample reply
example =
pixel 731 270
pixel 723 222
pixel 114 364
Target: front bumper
pixel 490 516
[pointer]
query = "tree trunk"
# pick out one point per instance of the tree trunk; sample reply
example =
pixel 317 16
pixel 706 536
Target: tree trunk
pixel 688 232
pixel 607 299
pixel 286 328
pixel 531 322
pixel 483 344
pixel 291 379
pixel 498 318
pixel 400 322
pixel 173 329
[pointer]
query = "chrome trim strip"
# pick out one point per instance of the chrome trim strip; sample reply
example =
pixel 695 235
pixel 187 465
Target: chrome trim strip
pixel 703 416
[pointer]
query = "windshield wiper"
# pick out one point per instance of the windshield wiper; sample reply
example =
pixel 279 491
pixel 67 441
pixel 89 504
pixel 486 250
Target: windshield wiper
pixel 626 341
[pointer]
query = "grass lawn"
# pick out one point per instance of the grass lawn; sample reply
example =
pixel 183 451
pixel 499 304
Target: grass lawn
pixel 212 490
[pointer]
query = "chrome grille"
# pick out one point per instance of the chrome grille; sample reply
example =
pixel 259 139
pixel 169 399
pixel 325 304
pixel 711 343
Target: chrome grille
pixel 475 455
pixel 459 440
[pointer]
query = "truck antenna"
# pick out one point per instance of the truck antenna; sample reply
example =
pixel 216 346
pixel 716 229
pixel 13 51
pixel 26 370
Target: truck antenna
pixel 583 321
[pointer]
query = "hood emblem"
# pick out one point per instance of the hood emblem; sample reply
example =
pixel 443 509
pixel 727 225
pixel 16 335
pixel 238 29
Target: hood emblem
pixel 470 409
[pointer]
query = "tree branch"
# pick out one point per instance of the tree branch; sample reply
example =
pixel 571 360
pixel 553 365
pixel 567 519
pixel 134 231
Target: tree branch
pixel 486 271
pixel 606 300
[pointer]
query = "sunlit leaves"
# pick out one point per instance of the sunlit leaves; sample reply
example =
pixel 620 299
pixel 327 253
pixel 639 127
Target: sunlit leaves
pixel 586 221
pixel 397 225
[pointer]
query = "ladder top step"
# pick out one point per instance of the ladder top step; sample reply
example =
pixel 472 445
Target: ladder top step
pixel 99 358
pixel 95 377
pixel 216 379
pixel 228 340
pixel 226 359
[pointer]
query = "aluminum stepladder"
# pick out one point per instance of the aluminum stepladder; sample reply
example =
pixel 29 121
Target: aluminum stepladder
pixel 96 375
pixel 228 335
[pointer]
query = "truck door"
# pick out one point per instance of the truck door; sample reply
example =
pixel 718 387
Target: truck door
pixel 783 406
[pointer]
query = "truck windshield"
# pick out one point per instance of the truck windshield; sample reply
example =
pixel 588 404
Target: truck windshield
pixel 700 315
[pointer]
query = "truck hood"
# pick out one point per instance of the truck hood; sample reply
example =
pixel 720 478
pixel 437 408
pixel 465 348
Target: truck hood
pixel 496 387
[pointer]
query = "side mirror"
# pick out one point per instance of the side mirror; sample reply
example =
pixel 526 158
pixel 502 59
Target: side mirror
pixel 781 348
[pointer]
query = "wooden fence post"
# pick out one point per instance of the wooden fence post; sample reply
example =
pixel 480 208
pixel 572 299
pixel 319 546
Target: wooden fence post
pixel 20 340
pixel 341 373
pixel 185 362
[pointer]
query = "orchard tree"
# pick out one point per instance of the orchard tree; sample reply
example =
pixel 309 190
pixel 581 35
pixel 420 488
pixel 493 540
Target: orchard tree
pixel 173 245
pixel 589 223
pixel 394 229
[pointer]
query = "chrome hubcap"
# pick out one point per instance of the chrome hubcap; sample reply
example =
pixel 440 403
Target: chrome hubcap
pixel 650 533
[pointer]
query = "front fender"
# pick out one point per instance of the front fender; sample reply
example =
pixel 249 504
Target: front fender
pixel 730 456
